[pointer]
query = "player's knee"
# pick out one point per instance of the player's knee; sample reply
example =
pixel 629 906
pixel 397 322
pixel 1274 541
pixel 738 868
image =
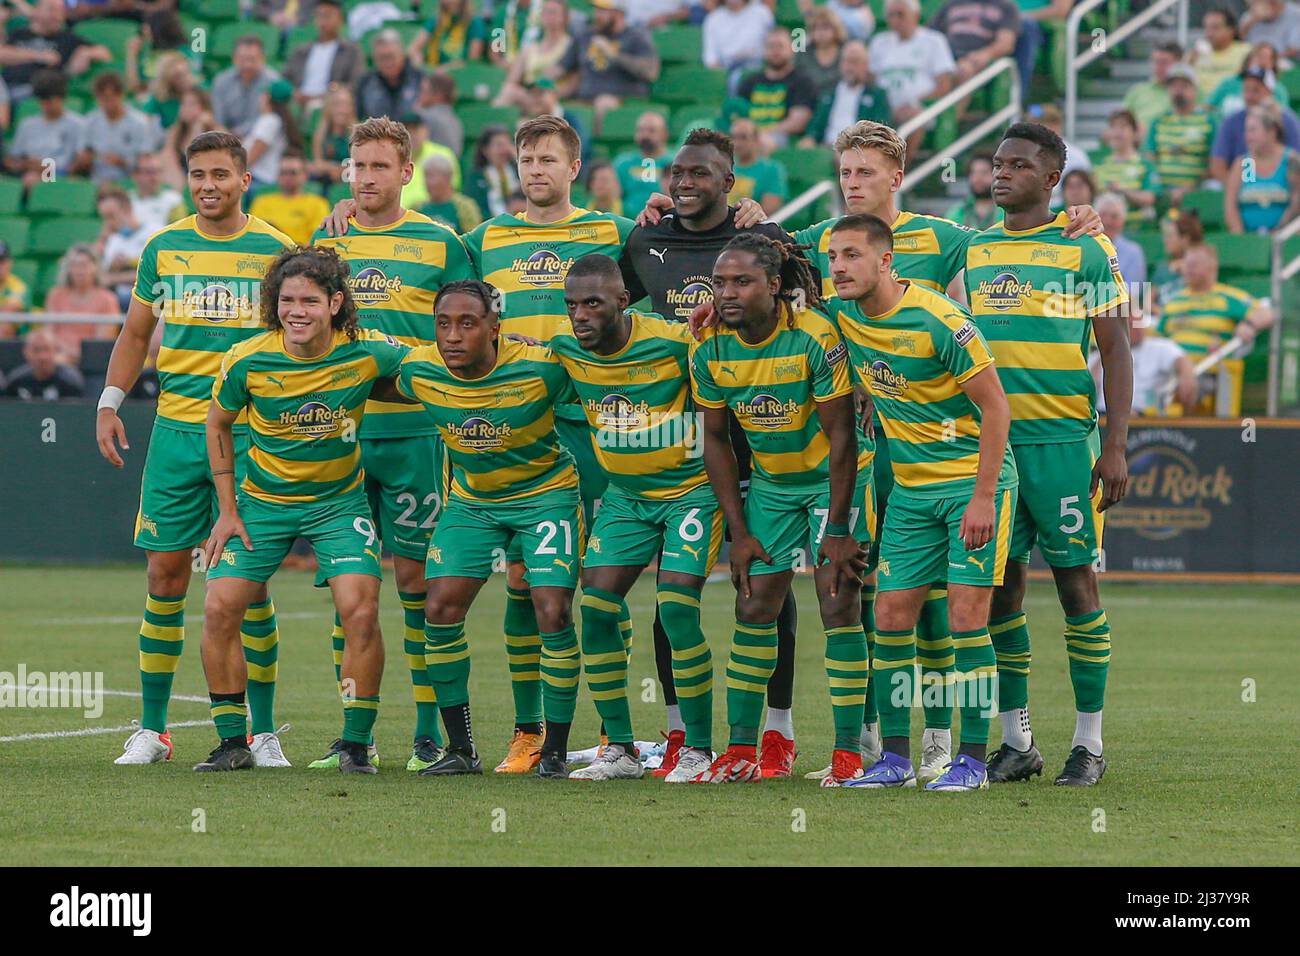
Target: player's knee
pixel 891 616
pixel 554 612
pixel 1077 590
pixel 359 614
pixel 516 576
pixel 841 610
pixel 1009 597
pixel 440 609
pixel 222 612
pixel 167 580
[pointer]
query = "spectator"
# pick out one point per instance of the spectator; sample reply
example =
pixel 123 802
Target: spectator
pixel 1230 139
pixel 757 177
pixel 978 211
pixel 194 117
pixel 152 201
pixel 451 36
pixel 1270 196
pixel 604 191
pixel 43 376
pixel 1077 188
pixel 638 170
pixel 1132 260
pixel 4 106
pixel 392 88
pixel 113 133
pixel 121 240
pixel 454 210
pixel 414 193
pixel 494 178
pixel 1124 170
pixel 1229 97
pixel 826 36
pixel 544 100
pixel 780 95
pixel 855 97
pixel 1178 233
pixel 609 62
pixel 46 42
pixel 1178 142
pixel 161 36
pixel 509 26
pixel 912 62
pixel 1219 54
pixel 733 36
pixel 1274 22
pixel 285 14
pixel 853 16
pixel 172 77
pixel 53 135
pixel 1161 370
pixel 329 58
pixel 1150 99
pixel 237 91
pixel 539 57
pixel 80 290
pixel 1076 157
pixel 978 32
pixel 329 140
pixel 14 294
pixel 1032 37
pixel 436 107
pixel 274 131
pixel 289 207
pixel 653 14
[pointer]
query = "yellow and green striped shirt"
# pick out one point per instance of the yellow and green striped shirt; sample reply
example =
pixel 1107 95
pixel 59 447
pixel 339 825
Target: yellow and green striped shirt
pixel 1179 145
pixel 1202 321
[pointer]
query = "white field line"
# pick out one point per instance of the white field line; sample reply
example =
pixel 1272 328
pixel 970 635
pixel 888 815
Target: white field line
pixel 126 693
pixel 49 735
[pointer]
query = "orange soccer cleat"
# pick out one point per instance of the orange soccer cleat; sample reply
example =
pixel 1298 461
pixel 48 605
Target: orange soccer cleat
pixel 524 754
pixel 776 756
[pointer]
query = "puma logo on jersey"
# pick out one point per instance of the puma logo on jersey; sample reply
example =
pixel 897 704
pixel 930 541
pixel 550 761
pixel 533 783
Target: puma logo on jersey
pixel 728 369
pixel 272 378
pixel 659 254
pixel 568 566
pixel 373 554
pixel 977 562
pixel 1079 541
pixel 694 552
pixel 184 260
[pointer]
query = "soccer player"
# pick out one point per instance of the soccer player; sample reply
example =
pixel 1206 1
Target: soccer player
pixel 494 400
pixel 1039 297
pixel 631 374
pixel 398 260
pixel 945 419
pixel 201 277
pixel 781 369
pixel 304 385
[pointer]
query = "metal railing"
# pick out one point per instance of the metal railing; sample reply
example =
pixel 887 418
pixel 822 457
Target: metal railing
pixel 1283 271
pixel 1076 61
pixel 60 318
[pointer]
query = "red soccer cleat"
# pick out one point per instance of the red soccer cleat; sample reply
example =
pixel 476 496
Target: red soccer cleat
pixel 676 740
pixel 737 765
pixel 846 765
pixel 776 757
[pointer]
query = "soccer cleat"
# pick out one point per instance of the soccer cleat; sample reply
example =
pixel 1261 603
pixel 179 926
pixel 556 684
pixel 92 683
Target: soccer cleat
pixel 454 763
pixel 776 755
pixel 266 749
pixel 961 776
pixel 425 753
pixel 522 756
pixel 145 746
pixel 331 759
pixel 553 767
pixel 868 748
pixel 691 762
pixel 936 746
pixel 738 764
pixel 618 762
pixel 1007 765
pixel 676 741
pixel 354 758
pixel 889 772
pixel 1082 769
pixel 227 757
pixel 846 765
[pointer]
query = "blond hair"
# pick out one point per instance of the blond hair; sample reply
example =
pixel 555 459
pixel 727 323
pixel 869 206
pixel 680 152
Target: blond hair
pixel 819 15
pixel 864 134
pixel 378 128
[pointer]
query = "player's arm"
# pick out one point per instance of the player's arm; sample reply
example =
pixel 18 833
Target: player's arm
pixel 129 353
pixel 1185 374
pixel 748 212
pixel 1111 470
pixel 385 390
pixel 984 388
pixel 1082 221
pixel 838 544
pixel 221 460
pixel 1231 205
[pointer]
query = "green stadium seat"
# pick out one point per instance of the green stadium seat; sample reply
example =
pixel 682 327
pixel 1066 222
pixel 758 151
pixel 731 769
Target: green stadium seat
pixel 216 10
pixel 687 118
pixel 47 278
pixel 11 196
pixel 110 31
pixel 1208 203
pixel 1152 245
pixel 406 6
pixel 69 197
pixel 679 44
pixel 805 166
pixel 338 192
pixel 1245 254
pixel 583 112
pixel 1258 286
pixel 477 81
pixel 14 230
pixel 29 271
pixel 1291 80
pixel 222 43
pixel 788 13
pixel 476 117
pixel 300 35
pixel 620 122
pixel 52 237
pixel 691 84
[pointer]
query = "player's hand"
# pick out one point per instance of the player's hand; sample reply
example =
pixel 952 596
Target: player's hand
pixel 336 223
pixel 109 433
pixel 703 316
pixel 847 557
pixel 654 210
pixel 744 551
pixel 866 411
pixel 526 339
pixel 1111 472
pixel 1084 221
pixel 977 522
pixel 749 214
pixel 229 525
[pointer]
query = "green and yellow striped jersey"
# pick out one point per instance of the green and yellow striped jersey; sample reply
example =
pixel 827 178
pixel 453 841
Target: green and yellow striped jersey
pixel 638 404
pixel 499 430
pixel 928 250
pixel 913 360
pixel 1202 321
pixel 304 414
pixel 206 290
pixel 397 271
pixel 1033 294
pixel 1137 174
pixel 1179 145
pixel 774 387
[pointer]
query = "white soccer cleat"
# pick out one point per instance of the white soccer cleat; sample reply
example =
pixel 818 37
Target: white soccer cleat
pixel 691 762
pixel 145 746
pixel 868 747
pixel 936 754
pixel 266 749
pixel 614 762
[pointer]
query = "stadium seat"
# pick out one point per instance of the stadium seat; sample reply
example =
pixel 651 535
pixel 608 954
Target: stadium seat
pixel 11 354
pixel 788 13
pixel 476 117
pixel 620 122
pixel 306 33
pixel 29 270
pixel 222 44
pixel 11 196
pixel 583 112
pixel 805 166
pixel 1258 286
pixel 213 9
pixel 1208 203
pixel 477 81
pixel 94 356
pixel 679 44
pixel 52 237
pixel 687 118
pixel 69 197
pixel 14 230
pixel 682 85
pixel 1250 254
pixel 46 279
pixel 1152 245
pixel 112 32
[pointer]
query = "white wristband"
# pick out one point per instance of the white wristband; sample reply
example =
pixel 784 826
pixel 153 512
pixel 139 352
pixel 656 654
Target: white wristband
pixel 111 397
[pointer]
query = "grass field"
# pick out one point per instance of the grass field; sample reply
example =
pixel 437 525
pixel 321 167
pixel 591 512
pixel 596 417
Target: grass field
pixel 1196 775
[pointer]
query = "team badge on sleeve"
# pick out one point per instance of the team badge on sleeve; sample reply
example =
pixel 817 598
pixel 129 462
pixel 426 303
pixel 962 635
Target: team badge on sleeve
pixel 964 333
pixel 836 353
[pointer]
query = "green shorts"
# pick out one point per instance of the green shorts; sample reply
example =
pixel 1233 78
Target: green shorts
pixel 550 530
pixel 921 542
pixel 178 502
pixel 575 435
pixel 632 532
pixel 1055 508
pixel 340 530
pixel 790 525
pixel 404 482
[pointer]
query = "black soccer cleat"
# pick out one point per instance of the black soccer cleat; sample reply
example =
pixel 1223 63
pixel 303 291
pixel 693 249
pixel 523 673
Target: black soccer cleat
pixel 1082 769
pixel 454 763
pixel 1007 765
pixel 355 758
pixel 552 767
pixel 229 756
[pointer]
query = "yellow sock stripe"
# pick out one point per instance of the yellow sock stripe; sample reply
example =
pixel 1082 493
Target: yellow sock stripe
pixel 254 643
pixel 609 694
pixel 984 670
pixel 424 694
pixel 160 633
pixel 523 640
pixel 861 665
pixel 672 597
pixel 977 640
pixel 159 663
pixel 850 682
pixel 696 690
pixel 448 656
pixel 698 669
pixel 1087 659
pixel 890 640
pixel 764 672
pixel 1094 644
pixel 942 644
pixel 688 653
pixel 337 632
pixel 154 606
pixel 611 657
pixel 877 664
pixel 600 604
pixel 522 676
pixel 936 678
pixel 260 613
pixel 414 605
pixel 756 631
pixel 226 709
pixel 847 700
pixel 1011 625
pixel 734 684
pixel 936 594
pixel 359 703
pixel 263 674
pixel 847 629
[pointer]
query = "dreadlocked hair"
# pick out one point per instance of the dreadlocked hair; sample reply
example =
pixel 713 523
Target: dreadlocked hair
pixel 787 260
pixel 485 293
pixel 325 269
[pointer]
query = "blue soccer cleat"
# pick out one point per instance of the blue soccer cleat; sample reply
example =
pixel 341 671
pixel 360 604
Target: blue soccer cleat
pixel 964 774
pixel 889 771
